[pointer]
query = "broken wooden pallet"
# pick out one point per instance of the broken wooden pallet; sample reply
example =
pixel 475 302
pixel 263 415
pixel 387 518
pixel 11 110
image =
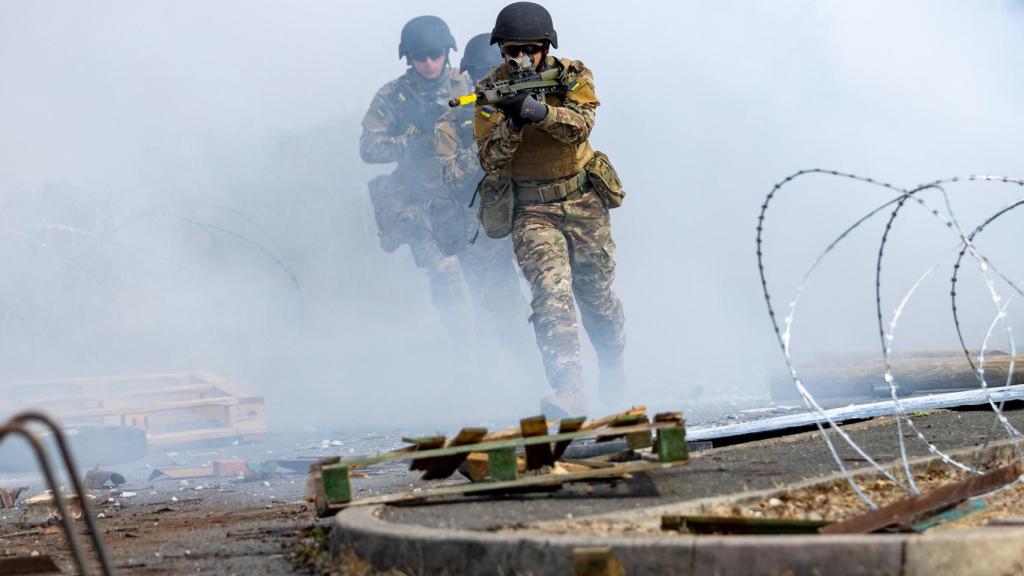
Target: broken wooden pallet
pixel 173 409
pixel 906 510
pixel 438 458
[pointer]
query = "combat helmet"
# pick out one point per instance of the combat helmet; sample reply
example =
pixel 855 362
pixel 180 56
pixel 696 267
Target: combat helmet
pixel 479 56
pixel 424 33
pixel 524 21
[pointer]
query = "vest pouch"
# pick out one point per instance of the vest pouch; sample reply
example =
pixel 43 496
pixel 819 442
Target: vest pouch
pixel 605 180
pixel 497 202
pixel 448 224
pixel 384 210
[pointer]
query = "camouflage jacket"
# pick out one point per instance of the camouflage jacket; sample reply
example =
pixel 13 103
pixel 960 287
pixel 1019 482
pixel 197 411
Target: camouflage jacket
pixel 399 126
pixel 569 120
pixel 457 149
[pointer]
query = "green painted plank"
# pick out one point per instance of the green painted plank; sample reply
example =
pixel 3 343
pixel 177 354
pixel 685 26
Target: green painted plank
pixel 502 463
pixel 544 480
pixel 672 445
pixel 511 443
pixel 336 484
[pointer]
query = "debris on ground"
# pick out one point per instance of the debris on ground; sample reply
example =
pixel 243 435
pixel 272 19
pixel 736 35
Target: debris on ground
pixel 493 465
pixel 42 508
pixel 97 479
pixel 9 496
pixel 173 409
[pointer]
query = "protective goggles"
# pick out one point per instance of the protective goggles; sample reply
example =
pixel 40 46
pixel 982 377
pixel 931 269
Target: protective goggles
pixel 514 50
pixel 433 54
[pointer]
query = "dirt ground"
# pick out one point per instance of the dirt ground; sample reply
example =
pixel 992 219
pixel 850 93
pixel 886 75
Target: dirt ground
pixel 206 525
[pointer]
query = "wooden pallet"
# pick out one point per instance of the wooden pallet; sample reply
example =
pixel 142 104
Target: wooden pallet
pixel 174 409
pixel 536 468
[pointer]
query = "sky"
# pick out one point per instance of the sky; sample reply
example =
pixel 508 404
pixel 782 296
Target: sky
pixel 180 188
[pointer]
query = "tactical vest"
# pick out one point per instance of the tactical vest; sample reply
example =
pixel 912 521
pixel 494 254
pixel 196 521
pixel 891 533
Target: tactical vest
pixel 542 157
pixel 416 106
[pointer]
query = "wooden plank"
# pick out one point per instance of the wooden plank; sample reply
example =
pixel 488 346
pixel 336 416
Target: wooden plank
pixel 968 508
pixel 124 399
pixel 737 525
pixel 527 482
pixel 182 472
pixel 181 437
pixel 568 425
pixel 163 407
pixel 904 510
pixel 605 421
pixel 423 445
pixel 42 564
pixel 537 455
pixel 512 443
pixel 445 466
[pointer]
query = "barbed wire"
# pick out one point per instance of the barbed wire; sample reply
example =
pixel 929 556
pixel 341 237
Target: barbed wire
pixel 887 338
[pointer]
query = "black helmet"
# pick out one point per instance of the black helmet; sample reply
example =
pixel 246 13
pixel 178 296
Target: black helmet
pixel 425 33
pixel 479 55
pixel 524 21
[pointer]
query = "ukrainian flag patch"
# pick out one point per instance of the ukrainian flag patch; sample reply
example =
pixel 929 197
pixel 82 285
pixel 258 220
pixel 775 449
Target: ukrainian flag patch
pixel 575 87
pixel 486 111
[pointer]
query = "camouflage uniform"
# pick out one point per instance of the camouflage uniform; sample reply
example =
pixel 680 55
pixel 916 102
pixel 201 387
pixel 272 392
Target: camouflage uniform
pixel 564 247
pixel 488 264
pixel 410 203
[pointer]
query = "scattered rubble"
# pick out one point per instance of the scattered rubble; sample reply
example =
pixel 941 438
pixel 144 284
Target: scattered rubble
pixel 96 479
pixel 9 496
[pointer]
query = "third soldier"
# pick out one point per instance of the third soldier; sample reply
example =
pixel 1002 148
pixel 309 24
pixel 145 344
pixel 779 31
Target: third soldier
pixel 546 186
pixel 488 264
pixel 399 127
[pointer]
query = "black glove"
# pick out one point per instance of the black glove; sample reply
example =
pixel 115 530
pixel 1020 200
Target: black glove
pixel 511 107
pixel 531 110
pixel 420 144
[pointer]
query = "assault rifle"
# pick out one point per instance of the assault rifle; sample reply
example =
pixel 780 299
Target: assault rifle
pixel 524 79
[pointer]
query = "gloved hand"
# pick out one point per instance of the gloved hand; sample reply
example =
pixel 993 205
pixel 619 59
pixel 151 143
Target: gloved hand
pixel 523 109
pixel 511 107
pixel 420 144
pixel 531 110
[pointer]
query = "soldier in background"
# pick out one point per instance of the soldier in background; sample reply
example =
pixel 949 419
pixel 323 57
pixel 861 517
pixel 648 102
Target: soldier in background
pixel 399 127
pixel 537 155
pixel 488 264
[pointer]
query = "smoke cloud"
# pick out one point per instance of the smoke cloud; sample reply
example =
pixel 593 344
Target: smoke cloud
pixel 180 189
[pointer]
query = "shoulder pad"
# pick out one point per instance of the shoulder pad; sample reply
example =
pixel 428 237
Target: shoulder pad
pixel 572 66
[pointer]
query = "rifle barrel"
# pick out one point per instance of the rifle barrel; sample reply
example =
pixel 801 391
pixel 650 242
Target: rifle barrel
pixel 462 100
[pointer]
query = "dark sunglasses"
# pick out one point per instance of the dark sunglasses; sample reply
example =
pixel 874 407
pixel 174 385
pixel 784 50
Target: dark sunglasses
pixel 514 50
pixel 433 54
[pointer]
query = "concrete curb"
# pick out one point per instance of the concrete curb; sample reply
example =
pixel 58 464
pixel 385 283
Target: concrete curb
pixel 418 550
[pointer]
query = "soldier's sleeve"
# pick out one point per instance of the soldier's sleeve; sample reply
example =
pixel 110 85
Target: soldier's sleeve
pixel 574 119
pixel 377 145
pixel 496 141
pixel 459 162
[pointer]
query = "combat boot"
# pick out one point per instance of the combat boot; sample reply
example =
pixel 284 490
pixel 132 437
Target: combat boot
pixel 612 381
pixel 569 399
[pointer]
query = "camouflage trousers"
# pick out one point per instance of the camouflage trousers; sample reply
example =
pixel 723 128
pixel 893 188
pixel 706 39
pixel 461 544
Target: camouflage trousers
pixel 489 267
pixel 447 288
pixel 403 216
pixel 566 249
